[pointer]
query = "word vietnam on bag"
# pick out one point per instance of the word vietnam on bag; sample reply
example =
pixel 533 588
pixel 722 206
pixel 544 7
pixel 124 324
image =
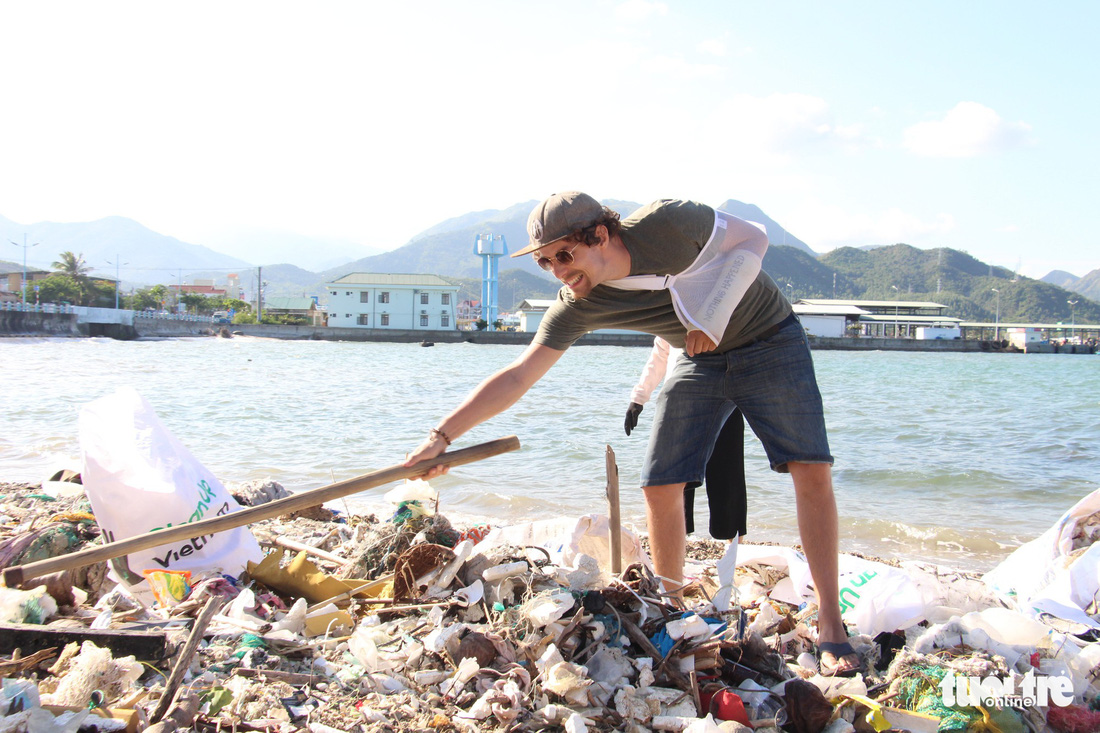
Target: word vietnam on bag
pixel 140 478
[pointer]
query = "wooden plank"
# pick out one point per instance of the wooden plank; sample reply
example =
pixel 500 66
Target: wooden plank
pixel 145 645
pixel 613 519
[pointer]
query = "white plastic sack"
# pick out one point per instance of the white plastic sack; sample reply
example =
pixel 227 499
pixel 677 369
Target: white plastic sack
pixel 565 540
pixel 874 597
pixel 140 478
pixel 1043 576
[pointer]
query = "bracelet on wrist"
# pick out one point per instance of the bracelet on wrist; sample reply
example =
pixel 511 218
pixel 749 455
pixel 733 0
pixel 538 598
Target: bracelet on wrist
pixel 436 432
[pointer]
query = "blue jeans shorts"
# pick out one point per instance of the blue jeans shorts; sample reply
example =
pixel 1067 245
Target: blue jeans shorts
pixel 773 383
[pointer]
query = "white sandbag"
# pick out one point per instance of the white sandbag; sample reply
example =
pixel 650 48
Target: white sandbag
pixel 140 478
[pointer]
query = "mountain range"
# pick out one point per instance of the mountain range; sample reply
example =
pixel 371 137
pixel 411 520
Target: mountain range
pixel 1088 286
pixel 890 272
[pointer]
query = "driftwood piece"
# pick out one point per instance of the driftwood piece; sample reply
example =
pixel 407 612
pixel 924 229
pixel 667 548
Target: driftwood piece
pixel 22 664
pixel 295 679
pixel 613 519
pixel 671 672
pixel 176 677
pixel 179 717
pixel 146 646
pixel 309 550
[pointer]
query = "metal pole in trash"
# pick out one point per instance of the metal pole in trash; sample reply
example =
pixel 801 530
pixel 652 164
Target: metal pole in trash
pixel 16 575
pixel 613 520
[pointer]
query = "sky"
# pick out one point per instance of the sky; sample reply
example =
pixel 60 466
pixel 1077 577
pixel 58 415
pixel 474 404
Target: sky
pixel 970 125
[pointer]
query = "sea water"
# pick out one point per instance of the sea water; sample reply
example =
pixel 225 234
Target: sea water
pixel 953 458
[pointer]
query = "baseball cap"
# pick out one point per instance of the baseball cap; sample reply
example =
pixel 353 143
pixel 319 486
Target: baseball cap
pixel 558 217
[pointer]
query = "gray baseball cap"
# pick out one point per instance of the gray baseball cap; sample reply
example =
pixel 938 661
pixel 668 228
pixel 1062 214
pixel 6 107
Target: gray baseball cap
pixel 559 216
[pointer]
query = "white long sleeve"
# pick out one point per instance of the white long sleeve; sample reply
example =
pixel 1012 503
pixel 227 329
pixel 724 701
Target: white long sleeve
pixel 653 372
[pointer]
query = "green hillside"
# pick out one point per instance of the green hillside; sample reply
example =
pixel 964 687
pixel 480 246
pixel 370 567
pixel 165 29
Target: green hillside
pixel 945 276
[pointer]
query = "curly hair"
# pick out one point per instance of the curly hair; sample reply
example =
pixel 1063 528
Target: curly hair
pixel 608 218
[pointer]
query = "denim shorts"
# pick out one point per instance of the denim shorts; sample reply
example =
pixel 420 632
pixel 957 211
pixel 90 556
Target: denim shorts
pixel 773 383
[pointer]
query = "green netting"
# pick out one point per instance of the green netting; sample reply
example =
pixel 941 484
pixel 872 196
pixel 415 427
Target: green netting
pixel 920 692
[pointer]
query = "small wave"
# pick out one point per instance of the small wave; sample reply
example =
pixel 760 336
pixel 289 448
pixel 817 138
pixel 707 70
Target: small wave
pixel 967 548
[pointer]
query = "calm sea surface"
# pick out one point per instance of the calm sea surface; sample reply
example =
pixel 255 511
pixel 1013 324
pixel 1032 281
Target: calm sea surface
pixel 956 458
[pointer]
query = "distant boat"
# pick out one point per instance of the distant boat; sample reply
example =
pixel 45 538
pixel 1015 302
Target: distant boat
pixel 427 343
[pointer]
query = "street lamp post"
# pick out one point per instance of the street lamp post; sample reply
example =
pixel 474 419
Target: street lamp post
pixel 997 327
pixel 790 293
pixel 117 281
pixel 895 287
pixel 1072 318
pixel 25 247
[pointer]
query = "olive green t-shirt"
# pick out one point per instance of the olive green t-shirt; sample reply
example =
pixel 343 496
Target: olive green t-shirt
pixel 662 238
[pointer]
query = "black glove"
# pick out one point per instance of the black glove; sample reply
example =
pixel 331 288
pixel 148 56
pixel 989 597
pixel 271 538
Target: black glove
pixel 632 413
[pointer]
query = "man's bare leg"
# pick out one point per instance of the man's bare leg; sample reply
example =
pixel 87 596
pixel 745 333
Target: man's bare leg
pixel 664 509
pixel 817 525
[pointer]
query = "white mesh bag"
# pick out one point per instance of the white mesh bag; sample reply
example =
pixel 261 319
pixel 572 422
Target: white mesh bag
pixel 706 293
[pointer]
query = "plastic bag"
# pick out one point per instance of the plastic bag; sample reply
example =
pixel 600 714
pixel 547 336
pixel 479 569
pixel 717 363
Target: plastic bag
pixel 140 478
pixel 565 539
pixel 874 597
pixel 169 586
pixel 1051 575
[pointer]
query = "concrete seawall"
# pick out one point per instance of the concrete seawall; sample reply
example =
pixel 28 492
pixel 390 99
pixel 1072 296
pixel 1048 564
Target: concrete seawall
pixel 17 323
pixel 891 344
pixel 20 323
pixel 31 323
pixel 325 333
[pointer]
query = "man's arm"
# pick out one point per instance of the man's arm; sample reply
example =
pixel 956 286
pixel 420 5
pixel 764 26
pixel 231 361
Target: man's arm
pixel 494 395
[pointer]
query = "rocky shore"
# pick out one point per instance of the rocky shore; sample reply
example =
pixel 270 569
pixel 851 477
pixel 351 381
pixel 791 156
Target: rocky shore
pixel 404 622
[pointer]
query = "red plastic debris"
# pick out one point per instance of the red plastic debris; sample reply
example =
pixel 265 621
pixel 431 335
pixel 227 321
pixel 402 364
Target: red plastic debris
pixel 1073 719
pixel 724 704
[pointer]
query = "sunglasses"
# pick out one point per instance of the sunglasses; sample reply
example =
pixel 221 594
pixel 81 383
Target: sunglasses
pixel 563 256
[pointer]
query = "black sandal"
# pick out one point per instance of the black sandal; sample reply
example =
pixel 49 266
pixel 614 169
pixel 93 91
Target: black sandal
pixel 839 650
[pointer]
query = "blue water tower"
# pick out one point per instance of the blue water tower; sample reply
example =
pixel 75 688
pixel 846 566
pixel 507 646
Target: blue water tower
pixel 490 248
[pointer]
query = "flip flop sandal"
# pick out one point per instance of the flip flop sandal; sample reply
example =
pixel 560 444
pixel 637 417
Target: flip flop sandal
pixel 839 650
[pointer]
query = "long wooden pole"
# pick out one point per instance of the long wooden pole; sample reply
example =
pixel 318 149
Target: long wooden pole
pixel 16 575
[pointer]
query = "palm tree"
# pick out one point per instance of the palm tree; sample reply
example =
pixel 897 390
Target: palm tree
pixel 76 268
pixel 72 265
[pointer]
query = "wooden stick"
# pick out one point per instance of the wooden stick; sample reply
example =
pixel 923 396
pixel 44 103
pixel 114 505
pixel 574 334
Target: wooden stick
pixel 295 679
pixel 21 664
pixel 184 662
pixel 638 636
pixel 179 717
pixel 613 518
pixel 309 550
pixel 16 575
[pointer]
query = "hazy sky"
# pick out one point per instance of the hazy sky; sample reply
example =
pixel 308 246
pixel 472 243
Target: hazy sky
pixel 970 125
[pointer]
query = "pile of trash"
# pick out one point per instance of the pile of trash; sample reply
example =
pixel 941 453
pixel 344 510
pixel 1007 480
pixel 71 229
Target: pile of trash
pixel 355 623
pixel 317 620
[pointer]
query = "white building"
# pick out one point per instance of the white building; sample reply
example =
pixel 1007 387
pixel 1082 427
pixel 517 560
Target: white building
pixel 408 302
pixel 826 320
pixel 531 312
